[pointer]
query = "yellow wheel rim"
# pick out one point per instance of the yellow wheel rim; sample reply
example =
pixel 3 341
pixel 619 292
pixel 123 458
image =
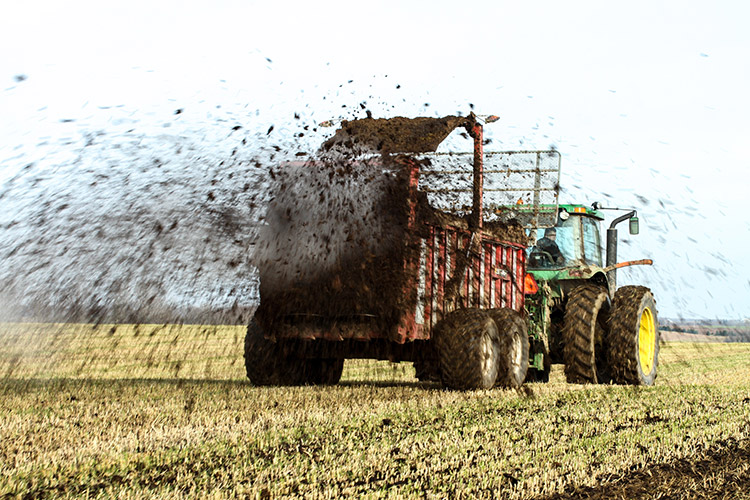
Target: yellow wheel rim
pixel 647 341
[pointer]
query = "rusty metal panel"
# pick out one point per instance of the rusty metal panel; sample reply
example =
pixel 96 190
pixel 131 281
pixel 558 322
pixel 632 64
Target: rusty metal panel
pixel 492 279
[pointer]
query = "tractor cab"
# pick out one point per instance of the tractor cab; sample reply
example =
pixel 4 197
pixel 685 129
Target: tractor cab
pixel 574 241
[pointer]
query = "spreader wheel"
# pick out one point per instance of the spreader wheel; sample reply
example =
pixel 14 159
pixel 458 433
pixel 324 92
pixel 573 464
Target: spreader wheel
pixel 266 363
pixel 427 369
pixel 514 347
pixel 323 371
pixel 584 335
pixel 468 346
pixel 634 336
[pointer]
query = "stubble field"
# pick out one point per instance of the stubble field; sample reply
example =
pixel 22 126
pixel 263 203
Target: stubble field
pixel 165 411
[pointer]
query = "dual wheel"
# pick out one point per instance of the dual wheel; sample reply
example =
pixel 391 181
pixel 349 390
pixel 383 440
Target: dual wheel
pixel 479 349
pixel 273 363
pixel 617 342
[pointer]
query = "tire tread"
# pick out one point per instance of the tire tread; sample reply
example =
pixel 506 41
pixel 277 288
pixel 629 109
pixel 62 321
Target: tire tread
pixel 624 327
pixel 458 340
pixel 584 303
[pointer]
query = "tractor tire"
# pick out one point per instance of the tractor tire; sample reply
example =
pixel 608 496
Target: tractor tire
pixel 323 371
pixel 266 363
pixel 468 346
pixel 634 336
pixel 514 347
pixel 584 335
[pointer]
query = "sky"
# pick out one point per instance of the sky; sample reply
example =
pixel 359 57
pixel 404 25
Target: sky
pixel 646 101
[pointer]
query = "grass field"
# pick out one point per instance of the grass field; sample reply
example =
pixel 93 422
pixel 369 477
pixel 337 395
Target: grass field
pixel 165 411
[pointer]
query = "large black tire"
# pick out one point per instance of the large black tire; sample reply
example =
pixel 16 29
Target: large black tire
pixel 468 346
pixel 427 369
pixel 266 363
pixel 584 335
pixel 514 347
pixel 634 336
pixel 323 371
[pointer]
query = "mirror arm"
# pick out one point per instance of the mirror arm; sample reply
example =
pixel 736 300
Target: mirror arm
pixel 628 215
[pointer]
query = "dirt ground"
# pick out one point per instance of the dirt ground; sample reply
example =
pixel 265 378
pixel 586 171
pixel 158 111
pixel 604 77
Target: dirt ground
pixel 723 471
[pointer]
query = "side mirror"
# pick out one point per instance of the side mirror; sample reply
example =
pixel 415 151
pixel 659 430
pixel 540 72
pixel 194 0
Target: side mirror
pixel 634 225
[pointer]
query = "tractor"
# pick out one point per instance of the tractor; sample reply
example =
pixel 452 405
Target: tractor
pixel 576 314
pixel 383 248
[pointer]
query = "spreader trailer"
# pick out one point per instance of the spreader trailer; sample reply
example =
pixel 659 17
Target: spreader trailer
pixel 435 276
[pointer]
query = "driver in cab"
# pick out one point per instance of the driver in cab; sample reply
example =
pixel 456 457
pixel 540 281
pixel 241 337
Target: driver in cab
pixel 548 245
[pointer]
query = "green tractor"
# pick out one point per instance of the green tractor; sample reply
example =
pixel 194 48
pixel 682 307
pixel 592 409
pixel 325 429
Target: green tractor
pixel 577 315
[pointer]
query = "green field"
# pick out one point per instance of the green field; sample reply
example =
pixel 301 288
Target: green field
pixel 165 411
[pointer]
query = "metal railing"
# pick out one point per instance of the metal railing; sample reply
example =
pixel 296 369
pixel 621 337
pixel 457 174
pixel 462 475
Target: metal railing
pixel 521 185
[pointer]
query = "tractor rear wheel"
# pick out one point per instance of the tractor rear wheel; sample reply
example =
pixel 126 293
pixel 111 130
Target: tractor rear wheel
pixel 584 334
pixel 514 347
pixel 468 346
pixel 634 336
pixel 323 371
pixel 266 362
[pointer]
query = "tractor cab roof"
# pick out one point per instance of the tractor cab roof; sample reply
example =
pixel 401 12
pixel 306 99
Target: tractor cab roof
pixel 581 210
pixel 541 216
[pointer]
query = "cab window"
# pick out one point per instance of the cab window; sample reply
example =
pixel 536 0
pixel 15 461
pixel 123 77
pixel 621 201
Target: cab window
pixel 592 249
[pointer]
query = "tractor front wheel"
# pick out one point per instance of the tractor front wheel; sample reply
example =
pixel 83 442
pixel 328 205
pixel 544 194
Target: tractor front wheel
pixel 634 336
pixel 514 347
pixel 584 333
pixel 468 346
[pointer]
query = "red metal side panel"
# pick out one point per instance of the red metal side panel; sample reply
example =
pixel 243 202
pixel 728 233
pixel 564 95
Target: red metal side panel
pixel 487 276
pixel 428 291
pixel 502 264
pixel 493 279
pixel 441 241
pixel 511 271
pixel 520 277
pixel 467 277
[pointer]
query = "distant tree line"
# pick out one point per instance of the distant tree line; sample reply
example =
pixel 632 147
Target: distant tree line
pixel 704 330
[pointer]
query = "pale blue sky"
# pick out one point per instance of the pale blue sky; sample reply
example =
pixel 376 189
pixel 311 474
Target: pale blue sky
pixel 647 101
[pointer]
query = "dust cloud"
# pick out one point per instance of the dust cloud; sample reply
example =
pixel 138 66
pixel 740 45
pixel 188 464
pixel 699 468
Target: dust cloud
pixel 125 227
pixel 122 227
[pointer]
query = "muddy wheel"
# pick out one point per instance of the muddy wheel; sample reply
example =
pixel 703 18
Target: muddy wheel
pixel 468 346
pixel 634 337
pixel 584 334
pixel 426 369
pixel 324 371
pixel 514 347
pixel 266 363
